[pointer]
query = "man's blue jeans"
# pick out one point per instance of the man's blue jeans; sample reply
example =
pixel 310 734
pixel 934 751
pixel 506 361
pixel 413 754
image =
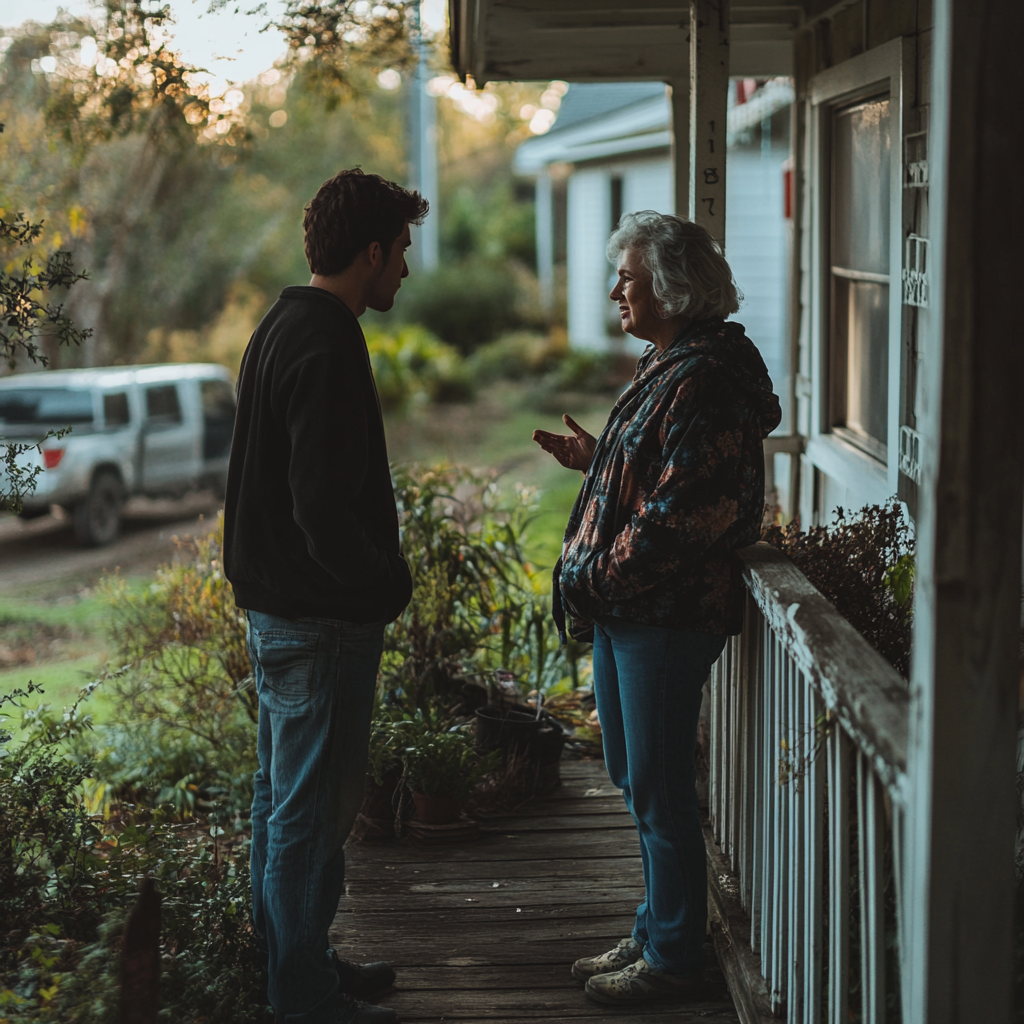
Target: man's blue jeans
pixel 648 683
pixel 315 679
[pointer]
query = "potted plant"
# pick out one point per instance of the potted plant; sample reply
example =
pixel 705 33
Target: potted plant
pixel 441 769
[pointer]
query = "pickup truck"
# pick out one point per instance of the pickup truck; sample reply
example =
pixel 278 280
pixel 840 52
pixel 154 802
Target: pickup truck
pixel 156 430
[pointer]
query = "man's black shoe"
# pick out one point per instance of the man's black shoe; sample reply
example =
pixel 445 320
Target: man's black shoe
pixel 363 980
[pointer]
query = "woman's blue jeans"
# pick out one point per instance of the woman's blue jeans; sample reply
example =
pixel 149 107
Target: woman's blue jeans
pixel 648 683
pixel 315 679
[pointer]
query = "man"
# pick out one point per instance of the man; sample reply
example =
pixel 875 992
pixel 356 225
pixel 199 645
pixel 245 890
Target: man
pixel 311 548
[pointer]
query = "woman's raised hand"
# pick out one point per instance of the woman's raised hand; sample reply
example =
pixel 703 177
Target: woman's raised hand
pixel 573 452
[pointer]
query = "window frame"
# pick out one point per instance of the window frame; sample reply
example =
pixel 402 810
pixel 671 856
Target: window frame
pixel 885 68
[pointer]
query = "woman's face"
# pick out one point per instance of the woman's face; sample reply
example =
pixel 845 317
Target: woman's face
pixel 635 296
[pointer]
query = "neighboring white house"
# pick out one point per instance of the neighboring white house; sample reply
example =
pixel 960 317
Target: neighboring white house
pixel 614 141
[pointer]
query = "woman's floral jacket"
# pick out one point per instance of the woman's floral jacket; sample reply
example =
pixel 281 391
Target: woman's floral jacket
pixel 675 486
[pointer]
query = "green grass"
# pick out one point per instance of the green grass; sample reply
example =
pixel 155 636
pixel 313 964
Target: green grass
pixel 495 434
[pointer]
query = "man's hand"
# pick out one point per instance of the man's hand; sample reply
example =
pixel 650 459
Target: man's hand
pixel 572 452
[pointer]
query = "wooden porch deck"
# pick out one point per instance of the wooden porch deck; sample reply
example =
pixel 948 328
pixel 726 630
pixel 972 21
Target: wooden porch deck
pixel 487 930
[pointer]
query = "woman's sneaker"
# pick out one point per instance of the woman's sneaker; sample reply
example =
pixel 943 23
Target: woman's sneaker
pixel 627 952
pixel 639 982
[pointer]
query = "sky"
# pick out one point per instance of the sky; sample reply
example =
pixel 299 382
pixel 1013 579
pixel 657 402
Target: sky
pixel 228 44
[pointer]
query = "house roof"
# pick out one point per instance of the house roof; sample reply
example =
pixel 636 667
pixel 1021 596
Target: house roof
pixel 601 119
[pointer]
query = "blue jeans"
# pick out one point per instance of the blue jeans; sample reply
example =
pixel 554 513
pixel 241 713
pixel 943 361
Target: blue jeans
pixel 648 682
pixel 316 680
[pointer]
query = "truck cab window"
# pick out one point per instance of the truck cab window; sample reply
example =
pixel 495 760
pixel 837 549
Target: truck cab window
pixel 218 399
pixel 115 410
pixel 162 406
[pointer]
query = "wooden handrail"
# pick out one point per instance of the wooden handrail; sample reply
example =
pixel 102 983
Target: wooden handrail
pixel 867 695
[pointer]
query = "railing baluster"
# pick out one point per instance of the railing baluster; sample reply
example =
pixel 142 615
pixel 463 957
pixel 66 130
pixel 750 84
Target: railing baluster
pixel 870 879
pixel 838 875
pixel 771 802
pixel 715 779
pixel 757 779
pixel 814 792
pixel 794 966
pixel 779 957
pixel 767 820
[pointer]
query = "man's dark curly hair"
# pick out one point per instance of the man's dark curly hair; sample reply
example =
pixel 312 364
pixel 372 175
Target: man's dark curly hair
pixel 350 211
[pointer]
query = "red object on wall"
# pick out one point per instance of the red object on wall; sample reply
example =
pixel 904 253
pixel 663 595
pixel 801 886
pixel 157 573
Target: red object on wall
pixel 787 189
pixel 52 457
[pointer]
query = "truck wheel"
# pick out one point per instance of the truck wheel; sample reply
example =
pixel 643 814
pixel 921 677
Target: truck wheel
pixel 97 520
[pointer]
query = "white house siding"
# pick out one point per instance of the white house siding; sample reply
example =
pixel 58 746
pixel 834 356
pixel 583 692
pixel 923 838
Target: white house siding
pixel 589 224
pixel 756 242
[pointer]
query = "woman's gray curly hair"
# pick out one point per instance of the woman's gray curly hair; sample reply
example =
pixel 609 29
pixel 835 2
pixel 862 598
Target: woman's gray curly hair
pixel 688 271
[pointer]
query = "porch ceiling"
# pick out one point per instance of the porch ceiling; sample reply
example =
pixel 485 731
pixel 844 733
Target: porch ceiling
pixel 598 40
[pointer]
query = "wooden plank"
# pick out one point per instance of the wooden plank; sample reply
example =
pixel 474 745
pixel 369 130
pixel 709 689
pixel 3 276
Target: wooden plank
pixel 492 869
pixel 856 683
pixel 541 975
pixel 497 845
pixel 426 913
pixel 537 887
pixel 528 1001
pixel 389 901
pixel 559 823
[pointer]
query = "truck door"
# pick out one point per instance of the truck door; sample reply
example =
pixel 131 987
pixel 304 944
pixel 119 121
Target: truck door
pixel 169 442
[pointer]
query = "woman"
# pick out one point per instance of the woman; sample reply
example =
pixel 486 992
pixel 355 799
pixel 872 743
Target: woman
pixel 674 484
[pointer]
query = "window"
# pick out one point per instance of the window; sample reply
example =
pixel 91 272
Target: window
pixel 45 406
pixel 859 271
pixel 218 417
pixel 162 406
pixel 115 410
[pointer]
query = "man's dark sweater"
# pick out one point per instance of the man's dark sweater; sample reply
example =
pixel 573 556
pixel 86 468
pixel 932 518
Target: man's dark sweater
pixel 310 524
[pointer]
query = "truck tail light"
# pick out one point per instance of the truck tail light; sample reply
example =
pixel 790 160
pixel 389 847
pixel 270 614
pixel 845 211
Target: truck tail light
pixel 52 457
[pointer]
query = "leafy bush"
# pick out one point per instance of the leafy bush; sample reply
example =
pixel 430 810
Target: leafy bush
pixel 865 566
pixel 515 356
pixel 68 879
pixel 188 689
pixel 465 304
pixel 414 365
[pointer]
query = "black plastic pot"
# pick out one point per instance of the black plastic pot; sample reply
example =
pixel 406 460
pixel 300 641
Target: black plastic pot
pixel 510 728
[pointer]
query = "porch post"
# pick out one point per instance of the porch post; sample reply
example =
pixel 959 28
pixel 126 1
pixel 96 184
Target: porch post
pixel 681 138
pixel 959 900
pixel 544 228
pixel 709 99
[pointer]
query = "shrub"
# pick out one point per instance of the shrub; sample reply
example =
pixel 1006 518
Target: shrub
pixel 439 761
pixel 865 566
pixel 514 357
pixel 68 879
pixel 187 686
pixel 414 365
pixel 466 304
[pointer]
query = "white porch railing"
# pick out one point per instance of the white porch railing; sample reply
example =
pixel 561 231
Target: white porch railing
pixel 808 759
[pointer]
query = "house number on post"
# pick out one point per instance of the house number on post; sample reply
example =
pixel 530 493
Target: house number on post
pixel 709 93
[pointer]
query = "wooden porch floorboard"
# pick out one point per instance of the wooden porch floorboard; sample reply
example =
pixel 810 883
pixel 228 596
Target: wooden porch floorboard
pixel 487 930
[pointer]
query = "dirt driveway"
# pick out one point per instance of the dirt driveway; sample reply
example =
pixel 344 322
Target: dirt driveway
pixel 42 555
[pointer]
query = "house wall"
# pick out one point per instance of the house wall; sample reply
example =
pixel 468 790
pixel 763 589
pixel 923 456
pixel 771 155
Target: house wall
pixel 828 477
pixel 757 244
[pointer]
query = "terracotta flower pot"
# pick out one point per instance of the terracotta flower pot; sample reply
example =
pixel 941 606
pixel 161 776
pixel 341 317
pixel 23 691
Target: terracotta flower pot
pixel 436 810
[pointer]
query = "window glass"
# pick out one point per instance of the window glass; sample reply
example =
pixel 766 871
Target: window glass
pixel 861 182
pixel 859 365
pixel 162 404
pixel 51 406
pixel 218 399
pixel 115 410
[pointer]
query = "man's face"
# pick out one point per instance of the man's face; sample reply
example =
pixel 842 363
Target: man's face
pixel 384 286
